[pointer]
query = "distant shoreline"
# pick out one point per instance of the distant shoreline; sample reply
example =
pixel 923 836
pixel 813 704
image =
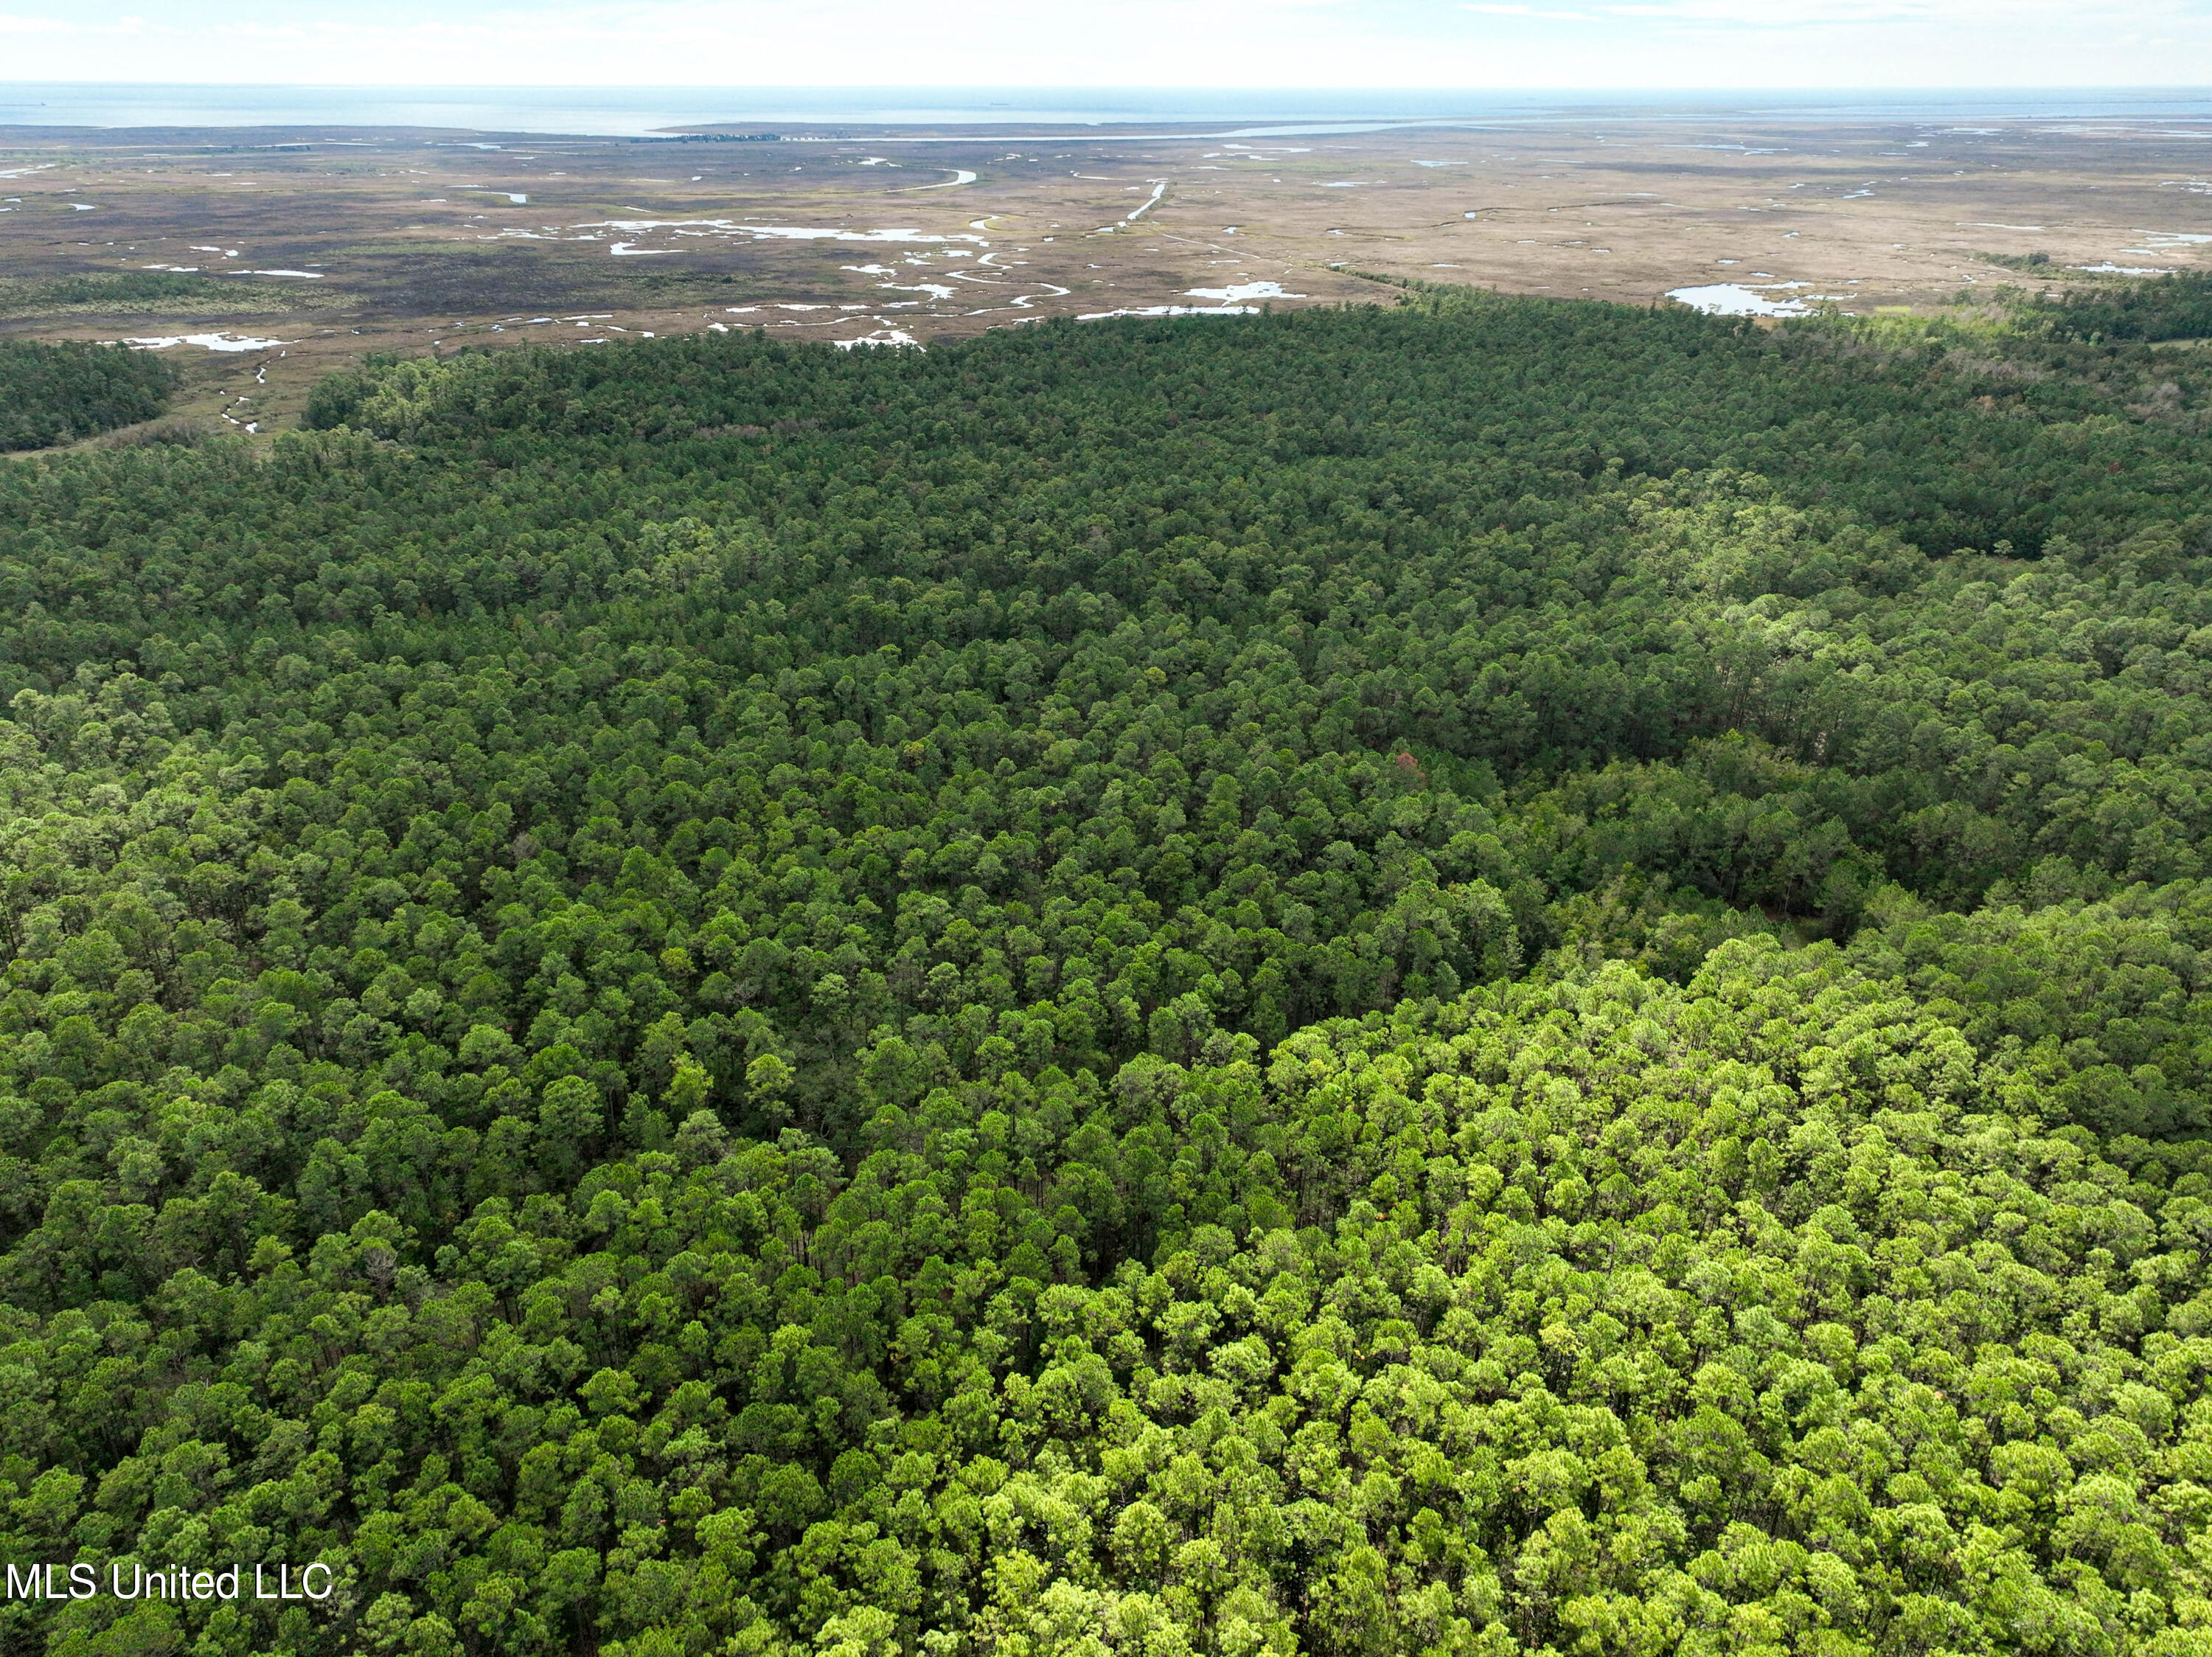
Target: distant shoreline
pixel 921 114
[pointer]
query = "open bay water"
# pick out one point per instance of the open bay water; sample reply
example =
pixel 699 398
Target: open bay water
pixel 642 111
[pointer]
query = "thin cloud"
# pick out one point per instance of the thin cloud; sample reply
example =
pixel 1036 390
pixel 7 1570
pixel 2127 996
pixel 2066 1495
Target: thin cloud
pixel 1752 13
pixel 1531 11
pixel 15 23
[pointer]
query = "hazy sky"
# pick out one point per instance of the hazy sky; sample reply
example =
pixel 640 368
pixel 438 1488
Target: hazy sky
pixel 1065 43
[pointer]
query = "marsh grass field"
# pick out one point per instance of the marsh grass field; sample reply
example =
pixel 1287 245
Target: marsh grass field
pixel 335 243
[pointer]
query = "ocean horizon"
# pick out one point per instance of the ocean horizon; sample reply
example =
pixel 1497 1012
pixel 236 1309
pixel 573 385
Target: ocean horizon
pixel 649 111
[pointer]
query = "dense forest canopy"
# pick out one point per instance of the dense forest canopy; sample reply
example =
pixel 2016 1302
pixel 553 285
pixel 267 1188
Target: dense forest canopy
pixel 2174 307
pixel 54 394
pixel 1498 976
